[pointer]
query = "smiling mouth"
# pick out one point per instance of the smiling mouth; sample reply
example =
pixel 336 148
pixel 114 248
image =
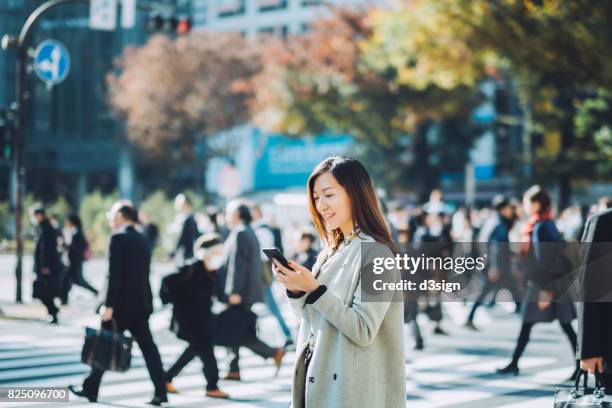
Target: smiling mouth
pixel 328 216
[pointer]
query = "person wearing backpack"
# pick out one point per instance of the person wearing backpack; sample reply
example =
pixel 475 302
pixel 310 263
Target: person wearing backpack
pixel 538 305
pixel 77 248
pixel 190 292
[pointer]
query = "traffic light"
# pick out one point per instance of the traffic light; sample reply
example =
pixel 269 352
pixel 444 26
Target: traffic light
pixel 169 24
pixel 184 26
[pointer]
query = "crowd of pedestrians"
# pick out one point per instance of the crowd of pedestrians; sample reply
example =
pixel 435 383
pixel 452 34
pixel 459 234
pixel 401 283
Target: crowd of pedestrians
pixel 221 261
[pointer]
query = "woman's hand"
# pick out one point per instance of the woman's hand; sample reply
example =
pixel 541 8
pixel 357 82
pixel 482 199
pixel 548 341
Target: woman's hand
pixel 298 279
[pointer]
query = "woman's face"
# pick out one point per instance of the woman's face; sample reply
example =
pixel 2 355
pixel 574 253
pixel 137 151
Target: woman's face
pixel 332 203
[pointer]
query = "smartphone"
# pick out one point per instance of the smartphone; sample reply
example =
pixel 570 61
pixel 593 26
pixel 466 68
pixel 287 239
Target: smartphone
pixel 275 253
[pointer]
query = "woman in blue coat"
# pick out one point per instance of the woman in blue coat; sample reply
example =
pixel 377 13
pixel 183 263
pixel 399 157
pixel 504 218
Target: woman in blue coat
pixel 542 273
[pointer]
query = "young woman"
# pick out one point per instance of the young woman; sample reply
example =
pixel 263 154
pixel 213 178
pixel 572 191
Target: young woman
pixel 537 305
pixel 75 244
pixel 350 351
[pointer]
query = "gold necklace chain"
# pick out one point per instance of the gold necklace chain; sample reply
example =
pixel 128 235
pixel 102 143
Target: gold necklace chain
pixel 348 240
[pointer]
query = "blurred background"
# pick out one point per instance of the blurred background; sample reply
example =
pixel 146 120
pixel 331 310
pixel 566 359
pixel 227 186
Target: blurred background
pixel 219 99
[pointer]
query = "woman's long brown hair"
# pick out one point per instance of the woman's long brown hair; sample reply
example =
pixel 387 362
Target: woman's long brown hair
pixel 354 178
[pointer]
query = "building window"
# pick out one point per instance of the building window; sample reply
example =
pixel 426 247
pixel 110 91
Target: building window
pixel 271 5
pixel 228 8
pixel 278 31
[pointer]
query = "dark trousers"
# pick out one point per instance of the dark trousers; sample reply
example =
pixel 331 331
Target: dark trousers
pixel 142 335
pixel 74 275
pixel 523 339
pixel 209 364
pixel 256 346
pixel 493 287
pixel 50 305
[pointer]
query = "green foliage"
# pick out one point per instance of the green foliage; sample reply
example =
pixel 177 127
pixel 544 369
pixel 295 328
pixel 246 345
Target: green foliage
pixel 60 208
pixel 93 216
pixel 159 210
pixel 593 124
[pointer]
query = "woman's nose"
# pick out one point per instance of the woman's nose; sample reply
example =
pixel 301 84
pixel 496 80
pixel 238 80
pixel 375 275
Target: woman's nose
pixel 321 205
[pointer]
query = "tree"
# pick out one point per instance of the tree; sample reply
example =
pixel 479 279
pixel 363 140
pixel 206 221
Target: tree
pixel 559 51
pixel 350 74
pixel 172 94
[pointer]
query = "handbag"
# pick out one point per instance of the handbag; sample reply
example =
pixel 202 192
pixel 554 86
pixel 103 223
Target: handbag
pixel 44 287
pixel 107 349
pixel 578 397
pixel 234 327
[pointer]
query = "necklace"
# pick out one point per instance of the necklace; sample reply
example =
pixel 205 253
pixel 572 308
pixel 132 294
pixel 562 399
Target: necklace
pixel 348 239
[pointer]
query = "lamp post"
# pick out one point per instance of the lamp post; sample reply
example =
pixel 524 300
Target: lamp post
pixel 20 45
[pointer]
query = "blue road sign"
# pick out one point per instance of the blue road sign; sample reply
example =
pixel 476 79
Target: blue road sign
pixel 51 62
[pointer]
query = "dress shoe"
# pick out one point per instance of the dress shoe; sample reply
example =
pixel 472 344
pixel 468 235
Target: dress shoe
pixel 217 394
pixel 418 345
pixel 79 392
pixel 278 360
pixel 509 369
pixel 232 376
pixel 170 388
pixel 440 331
pixel 158 399
pixel 52 320
pixel 470 325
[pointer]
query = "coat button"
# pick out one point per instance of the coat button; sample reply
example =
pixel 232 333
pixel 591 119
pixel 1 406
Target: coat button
pixel 311 380
pixel 335 376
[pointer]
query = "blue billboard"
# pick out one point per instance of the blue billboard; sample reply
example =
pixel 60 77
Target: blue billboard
pixel 282 161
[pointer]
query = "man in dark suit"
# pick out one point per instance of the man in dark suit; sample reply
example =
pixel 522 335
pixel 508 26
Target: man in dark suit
pixel 595 313
pixel 129 301
pixel 189 230
pixel 244 282
pixel 47 264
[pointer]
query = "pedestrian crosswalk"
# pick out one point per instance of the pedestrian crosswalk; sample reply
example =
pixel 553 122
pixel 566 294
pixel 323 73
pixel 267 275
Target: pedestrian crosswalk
pixel 32 354
pixel 455 371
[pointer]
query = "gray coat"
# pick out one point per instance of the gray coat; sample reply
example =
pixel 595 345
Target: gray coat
pixel 358 357
pixel 244 266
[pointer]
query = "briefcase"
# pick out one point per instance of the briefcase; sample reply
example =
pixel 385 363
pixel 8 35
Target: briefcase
pixel 579 397
pixel 44 287
pixel 106 349
pixel 234 327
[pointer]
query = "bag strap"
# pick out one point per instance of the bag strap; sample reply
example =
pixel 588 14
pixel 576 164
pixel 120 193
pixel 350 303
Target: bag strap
pixel 598 392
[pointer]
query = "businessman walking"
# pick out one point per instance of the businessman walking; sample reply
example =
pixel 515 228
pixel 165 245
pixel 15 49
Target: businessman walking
pixel 129 301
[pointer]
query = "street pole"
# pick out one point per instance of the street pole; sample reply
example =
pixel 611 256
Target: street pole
pixel 20 44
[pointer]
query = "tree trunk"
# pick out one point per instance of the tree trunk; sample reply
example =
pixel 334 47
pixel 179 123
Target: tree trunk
pixel 424 178
pixel 567 142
